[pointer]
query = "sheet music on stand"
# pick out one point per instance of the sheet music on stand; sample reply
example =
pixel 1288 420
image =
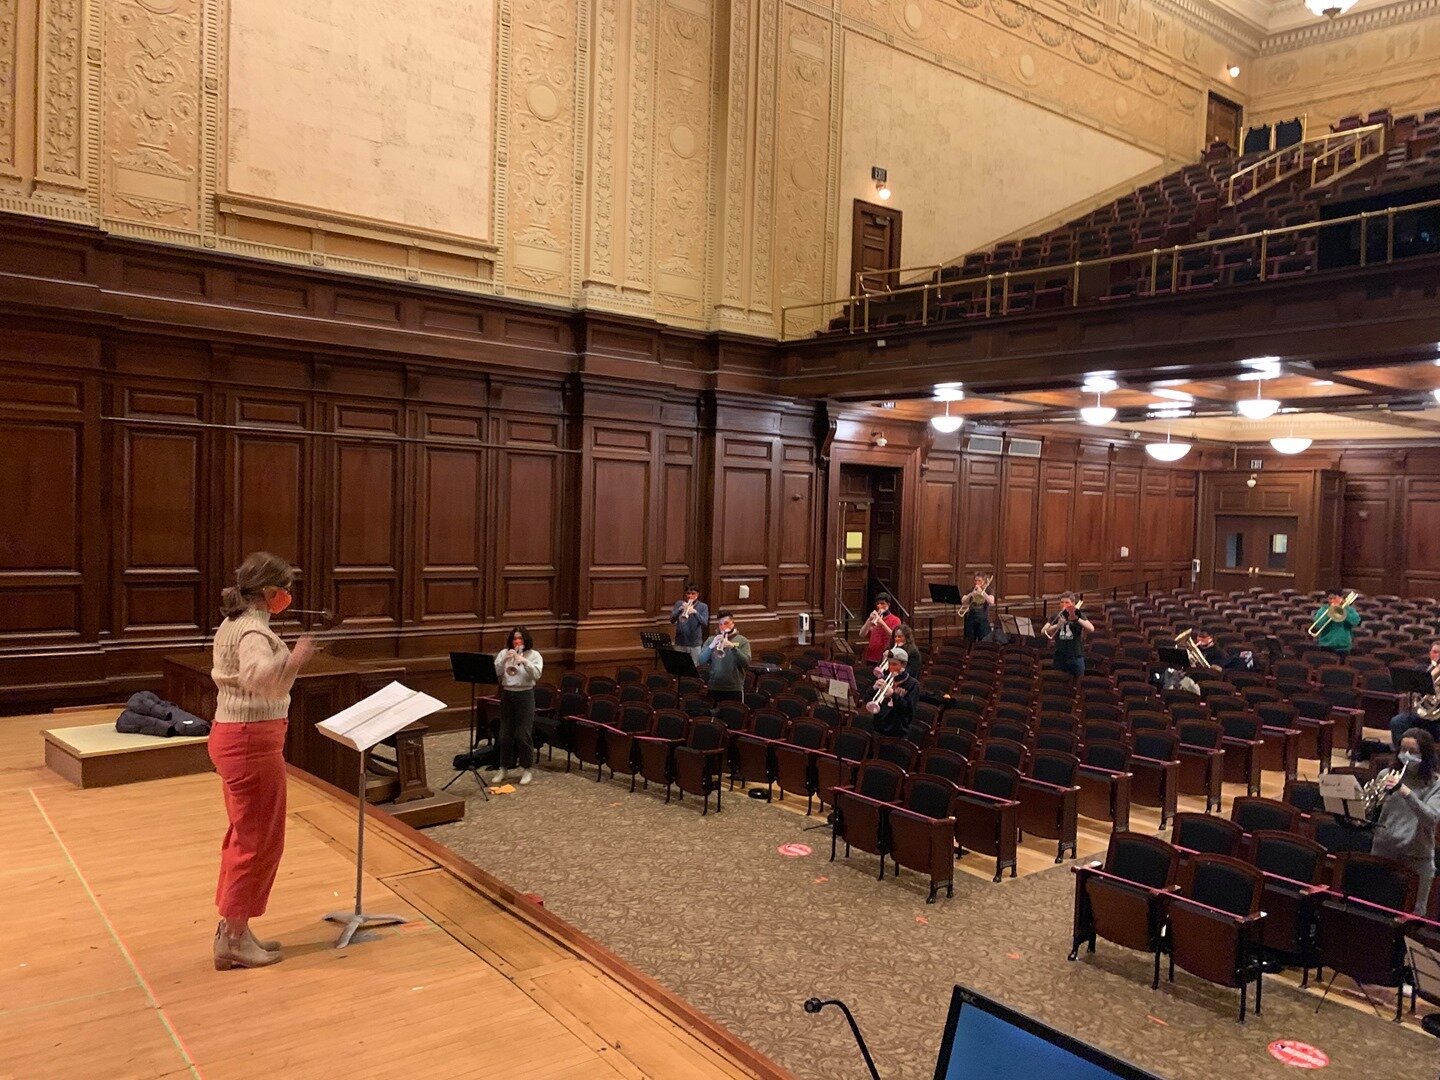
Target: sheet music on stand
pixel 363 725
pixel 371 721
pixel 1341 796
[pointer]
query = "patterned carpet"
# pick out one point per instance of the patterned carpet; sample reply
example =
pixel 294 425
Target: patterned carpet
pixel 709 907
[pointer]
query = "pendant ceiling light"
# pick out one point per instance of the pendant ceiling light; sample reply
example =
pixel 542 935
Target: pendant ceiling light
pixel 947 424
pixel 1097 414
pixel 1257 408
pixel 1329 8
pixel 1290 444
pixel 1169 450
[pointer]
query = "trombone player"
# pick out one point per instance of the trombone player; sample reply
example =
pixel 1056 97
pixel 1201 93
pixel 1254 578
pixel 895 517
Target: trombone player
pixel 1334 624
pixel 977 610
pixel 1067 630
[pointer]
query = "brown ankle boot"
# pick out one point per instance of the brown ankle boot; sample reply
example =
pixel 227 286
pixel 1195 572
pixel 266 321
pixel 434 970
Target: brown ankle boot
pixel 265 943
pixel 242 952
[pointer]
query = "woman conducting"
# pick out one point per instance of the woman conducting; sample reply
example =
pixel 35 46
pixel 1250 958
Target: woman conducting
pixel 253 672
pixel 1406 829
pixel 518 667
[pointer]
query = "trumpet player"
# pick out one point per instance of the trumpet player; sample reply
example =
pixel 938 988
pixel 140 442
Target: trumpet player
pixel 728 657
pixel 1424 712
pixel 893 705
pixel 518 667
pixel 1341 619
pixel 977 609
pixel 902 637
pixel 1411 810
pixel 1068 629
pixel 877 630
pixel 691 616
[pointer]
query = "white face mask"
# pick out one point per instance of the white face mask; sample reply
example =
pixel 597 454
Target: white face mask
pixel 1407 758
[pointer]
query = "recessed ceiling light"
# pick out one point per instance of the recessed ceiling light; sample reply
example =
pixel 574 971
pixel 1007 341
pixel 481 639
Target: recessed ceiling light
pixel 949 392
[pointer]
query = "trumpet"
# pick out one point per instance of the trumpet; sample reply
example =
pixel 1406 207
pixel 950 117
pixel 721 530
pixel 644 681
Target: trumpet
pixel 512 663
pixel 883 690
pixel 687 609
pixel 720 642
pixel 1324 619
pixel 1186 640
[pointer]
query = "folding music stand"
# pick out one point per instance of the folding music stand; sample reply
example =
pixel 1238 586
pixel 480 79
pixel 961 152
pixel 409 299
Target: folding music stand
pixel 477 669
pixel 677 662
pixel 951 597
pixel 1178 659
pixel 655 640
pixel 1411 680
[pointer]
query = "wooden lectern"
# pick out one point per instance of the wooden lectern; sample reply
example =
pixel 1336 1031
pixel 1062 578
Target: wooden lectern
pixel 327 685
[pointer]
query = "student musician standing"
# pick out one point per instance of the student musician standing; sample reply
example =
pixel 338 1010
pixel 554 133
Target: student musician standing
pixel 1067 630
pixel 728 657
pixel 977 611
pixel 518 667
pixel 691 616
pixel 253 672
pixel 877 630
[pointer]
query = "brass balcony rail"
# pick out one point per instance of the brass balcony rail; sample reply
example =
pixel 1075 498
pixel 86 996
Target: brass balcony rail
pixel 1368 143
pixel 876 281
pixel 995 289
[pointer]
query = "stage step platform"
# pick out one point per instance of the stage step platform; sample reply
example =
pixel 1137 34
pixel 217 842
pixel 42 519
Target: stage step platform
pixel 96 755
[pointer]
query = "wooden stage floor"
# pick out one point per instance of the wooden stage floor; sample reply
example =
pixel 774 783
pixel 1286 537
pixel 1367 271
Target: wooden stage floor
pixel 107 928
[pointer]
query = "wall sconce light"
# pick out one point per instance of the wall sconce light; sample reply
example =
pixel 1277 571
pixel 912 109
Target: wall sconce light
pixel 878 440
pixel 1234 71
pixel 882 189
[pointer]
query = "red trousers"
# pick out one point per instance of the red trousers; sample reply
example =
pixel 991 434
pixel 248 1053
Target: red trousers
pixel 251 762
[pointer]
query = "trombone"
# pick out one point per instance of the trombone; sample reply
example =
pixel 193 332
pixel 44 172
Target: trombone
pixel 983 589
pixel 1186 640
pixel 1324 619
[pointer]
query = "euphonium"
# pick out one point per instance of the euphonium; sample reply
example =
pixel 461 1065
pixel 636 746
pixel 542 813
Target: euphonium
pixel 1374 794
pixel 1186 640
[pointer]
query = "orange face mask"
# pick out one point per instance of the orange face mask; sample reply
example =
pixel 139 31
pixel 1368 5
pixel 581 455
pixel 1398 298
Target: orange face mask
pixel 279 601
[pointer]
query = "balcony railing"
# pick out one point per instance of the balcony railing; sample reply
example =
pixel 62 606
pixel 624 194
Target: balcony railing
pixel 1363 144
pixel 1154 273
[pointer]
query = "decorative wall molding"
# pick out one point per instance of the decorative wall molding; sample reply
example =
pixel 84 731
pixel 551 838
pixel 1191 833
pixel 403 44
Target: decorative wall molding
pixel 1346 26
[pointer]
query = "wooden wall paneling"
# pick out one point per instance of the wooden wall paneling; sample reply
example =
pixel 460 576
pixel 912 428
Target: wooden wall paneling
pixel 51 564
pixel 366 539
pixel 937 536
pixel 1154 532
pixel 979 527
pixel 620 462
pixel 745 519
pixel 1018 519
pixel 1124 525
pixel 1371 511
pixel 1055 527
pixel 453 545
pixel 1184 500
pixel 1420 523
pixel 1090 554
pixel 271 499
pixel 526 528
pixel 161 504
pixel 1330 502
pixel 796 562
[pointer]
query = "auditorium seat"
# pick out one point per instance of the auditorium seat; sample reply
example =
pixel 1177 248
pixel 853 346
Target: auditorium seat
pixel 1294 867
pixel 657 749
pixel 986 814
pixel 1205 834
pixel 795 758
pixel 836 766
pixel 622 753
pixel 755 748
pixel 1360 922
pixel 1155 765
pixel 1215 926
pixel 861 809
pixel 1124 899
pixel 922 831
pixel 1049 799
pixel 1104 780
pixel 700 762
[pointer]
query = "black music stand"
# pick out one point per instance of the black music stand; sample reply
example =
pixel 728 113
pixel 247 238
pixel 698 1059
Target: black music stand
pixel 951 596
pixel 655 640
pixel 677 662
pixel 1178 659
pixel 477 669
pixel 1411 680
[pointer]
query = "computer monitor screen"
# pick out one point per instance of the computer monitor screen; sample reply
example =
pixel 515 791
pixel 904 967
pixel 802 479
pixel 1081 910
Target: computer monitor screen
pixel 985 1040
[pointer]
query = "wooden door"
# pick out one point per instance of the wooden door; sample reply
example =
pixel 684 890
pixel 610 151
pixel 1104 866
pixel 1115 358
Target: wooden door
pixel 885 529
pixel 1255 552
pixel 874 244
pixel 855 552
pixel 1222 121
